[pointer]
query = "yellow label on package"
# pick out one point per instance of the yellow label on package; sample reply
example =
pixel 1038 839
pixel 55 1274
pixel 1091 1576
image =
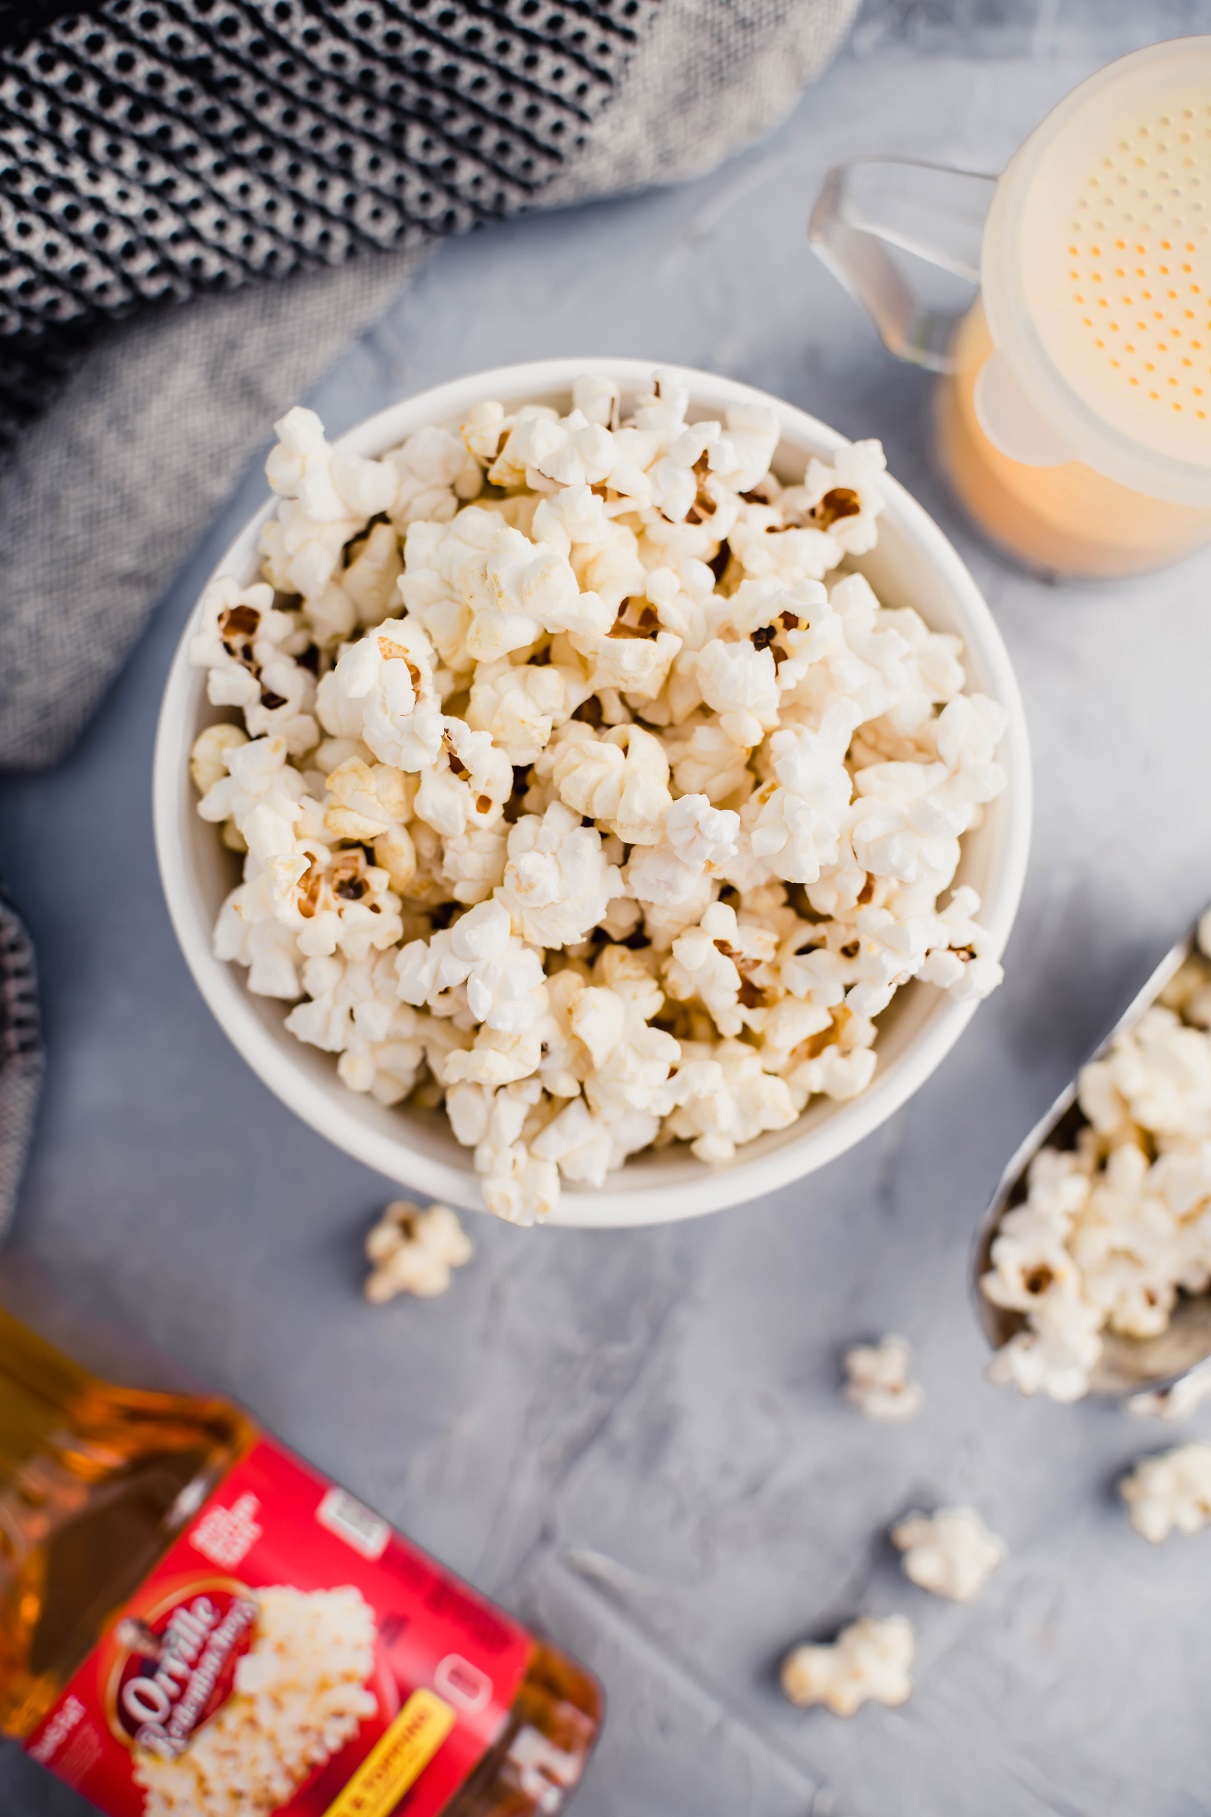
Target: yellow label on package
pixel 398 1760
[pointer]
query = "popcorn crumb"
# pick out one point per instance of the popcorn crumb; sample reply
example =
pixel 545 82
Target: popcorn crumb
pixel 542 689
pixel 414 1250
pixel 879 1382
pixel 951 1553
pixel 1170 1491
pixel 869 1662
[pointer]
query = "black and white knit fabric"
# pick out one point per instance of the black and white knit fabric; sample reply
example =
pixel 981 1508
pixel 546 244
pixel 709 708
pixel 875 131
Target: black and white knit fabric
pixel 152 149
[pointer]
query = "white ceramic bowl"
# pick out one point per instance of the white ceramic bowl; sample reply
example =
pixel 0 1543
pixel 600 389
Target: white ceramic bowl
pixel 913 565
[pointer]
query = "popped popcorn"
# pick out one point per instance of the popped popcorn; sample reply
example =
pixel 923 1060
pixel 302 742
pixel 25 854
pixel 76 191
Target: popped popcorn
pixel 951 1553
pixel 578 790
pixel 300 1695
pixel 1170 1491
pixel 414 1251
pixel 869 1662
pixel 1112 1233
pixel 879 1380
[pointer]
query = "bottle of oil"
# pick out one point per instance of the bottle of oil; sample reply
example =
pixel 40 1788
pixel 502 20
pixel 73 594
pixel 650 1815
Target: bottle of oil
pixel 193 1618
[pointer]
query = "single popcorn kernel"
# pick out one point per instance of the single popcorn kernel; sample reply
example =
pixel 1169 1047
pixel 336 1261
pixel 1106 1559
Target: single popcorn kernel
pixel 1170 1492
pixel 208 758
pixel 600 672
pixel 879 1381
pixel 414 1251
pixel 951 1553
pixel 869 1662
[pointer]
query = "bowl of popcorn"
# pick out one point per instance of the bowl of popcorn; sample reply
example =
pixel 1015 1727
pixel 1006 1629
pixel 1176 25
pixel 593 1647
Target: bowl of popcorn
pixel 591 793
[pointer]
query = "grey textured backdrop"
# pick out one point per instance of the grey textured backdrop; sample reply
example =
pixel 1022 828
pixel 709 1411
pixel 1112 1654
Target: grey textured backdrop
pixel 637 1438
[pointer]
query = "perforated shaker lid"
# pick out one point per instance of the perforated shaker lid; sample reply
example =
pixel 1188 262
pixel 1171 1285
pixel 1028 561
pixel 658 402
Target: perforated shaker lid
pixel 1097 270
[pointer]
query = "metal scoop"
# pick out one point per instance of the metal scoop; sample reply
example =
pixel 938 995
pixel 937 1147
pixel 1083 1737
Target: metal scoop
pixel 1127 1365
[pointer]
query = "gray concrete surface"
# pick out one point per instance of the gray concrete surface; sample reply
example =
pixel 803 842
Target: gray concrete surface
pixel 637 1439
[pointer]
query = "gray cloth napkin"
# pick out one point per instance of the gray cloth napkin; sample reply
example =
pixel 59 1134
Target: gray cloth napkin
pixel 114 483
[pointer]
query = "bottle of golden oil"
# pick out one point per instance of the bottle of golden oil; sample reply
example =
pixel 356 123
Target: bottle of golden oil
pixel 193 1619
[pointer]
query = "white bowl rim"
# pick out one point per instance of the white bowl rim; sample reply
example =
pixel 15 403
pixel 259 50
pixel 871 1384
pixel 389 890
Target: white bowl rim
pixel 333 1112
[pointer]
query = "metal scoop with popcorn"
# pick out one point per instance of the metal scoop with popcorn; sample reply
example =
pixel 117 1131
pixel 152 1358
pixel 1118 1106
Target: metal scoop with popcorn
pixel 1093 1268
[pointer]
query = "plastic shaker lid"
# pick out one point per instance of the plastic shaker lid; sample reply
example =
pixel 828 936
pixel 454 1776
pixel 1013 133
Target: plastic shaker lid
pixel 1096 271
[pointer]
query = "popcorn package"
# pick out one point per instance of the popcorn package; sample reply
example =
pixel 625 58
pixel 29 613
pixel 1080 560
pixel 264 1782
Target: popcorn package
pixel 580 787
pixel 202 1625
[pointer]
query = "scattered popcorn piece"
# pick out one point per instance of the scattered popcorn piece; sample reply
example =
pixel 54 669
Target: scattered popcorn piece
pixel 869 1662
pixel 1172 1490
pixel 879 1380
pixel 414 1251
pixel 576 791
pixel 951 1553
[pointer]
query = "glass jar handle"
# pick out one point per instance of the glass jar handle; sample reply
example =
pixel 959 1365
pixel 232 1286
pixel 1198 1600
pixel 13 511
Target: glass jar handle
pixel 937 215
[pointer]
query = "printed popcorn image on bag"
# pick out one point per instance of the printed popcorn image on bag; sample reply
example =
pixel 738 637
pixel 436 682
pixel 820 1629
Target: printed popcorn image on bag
pixel 582 788
pixel 223 1691
pixel 298 1697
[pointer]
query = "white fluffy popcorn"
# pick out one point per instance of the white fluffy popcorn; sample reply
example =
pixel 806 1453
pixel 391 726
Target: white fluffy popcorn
pixel 414 1251
pixel 558 881
pixel 300 1695
pixel 878 1380
pixel 1112 1233
pixel 951 1553
pixel 577 790
pixel 503 979
pixel 382 691
pixel 869 1662
pixel 329 496
pixel 1171 1492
